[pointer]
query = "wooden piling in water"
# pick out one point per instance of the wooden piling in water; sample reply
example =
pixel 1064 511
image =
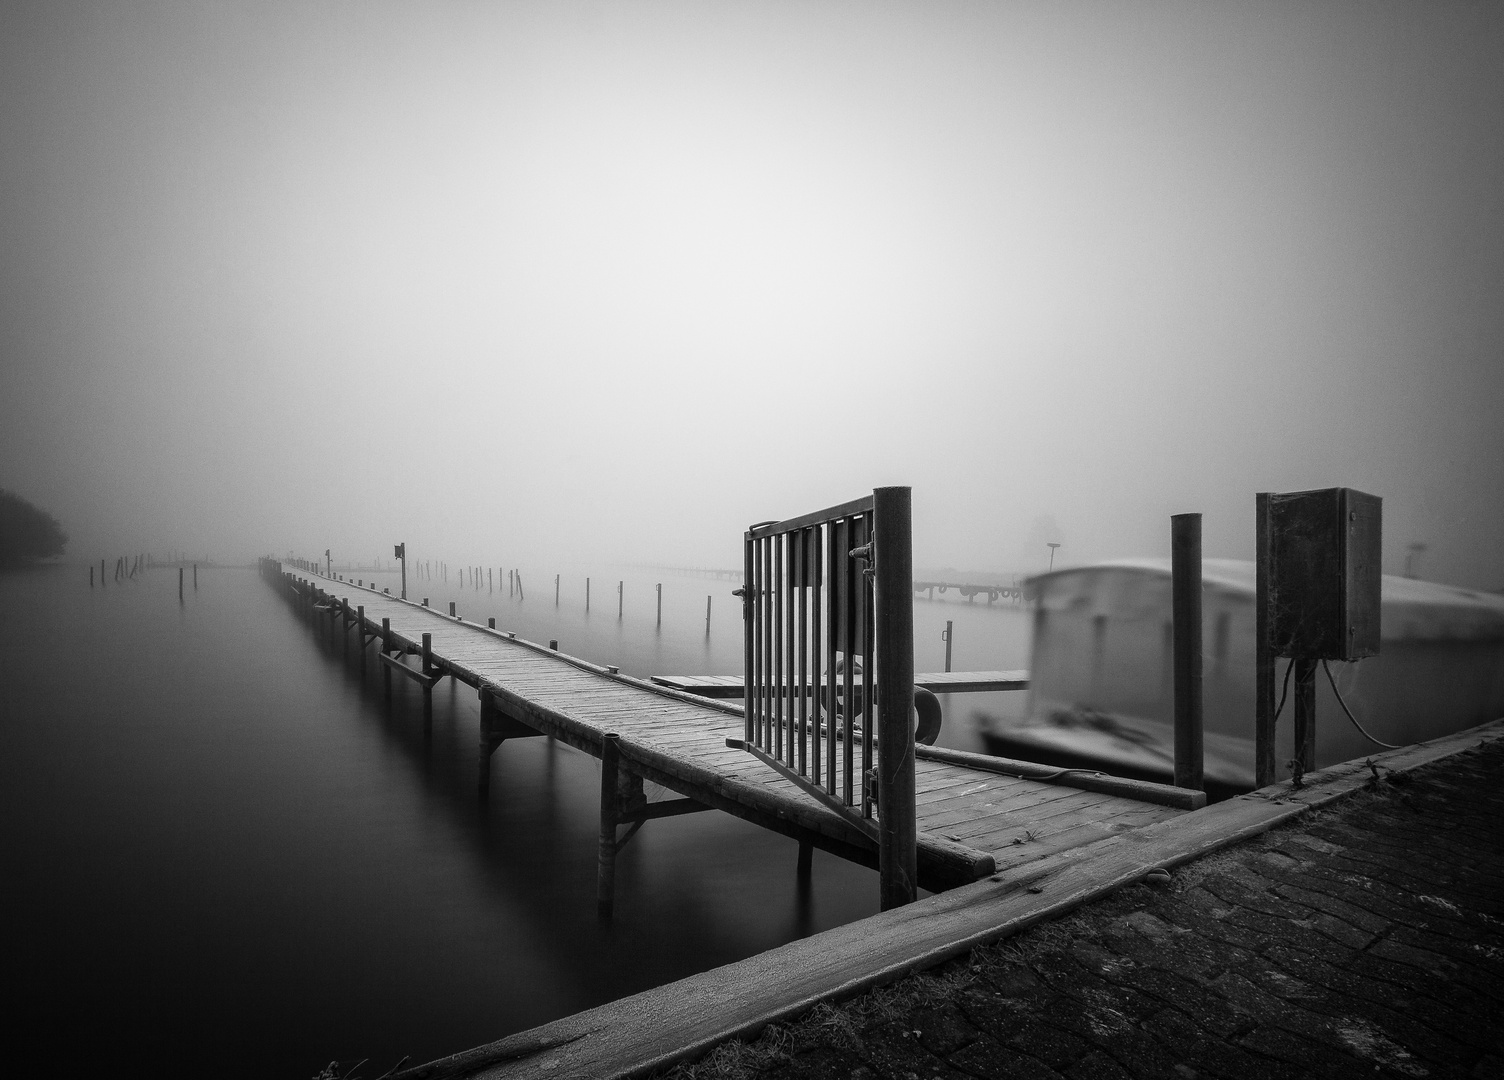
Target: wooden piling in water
pixel 619 586
pixel 180 583
pixel 948 635
pixel 587 594
pixel 605 883
pixel 707 616
pixel 556 590
pixel 427 685
pixel 386 648
pixel 660 603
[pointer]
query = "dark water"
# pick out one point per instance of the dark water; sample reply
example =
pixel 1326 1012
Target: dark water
pixel 225 855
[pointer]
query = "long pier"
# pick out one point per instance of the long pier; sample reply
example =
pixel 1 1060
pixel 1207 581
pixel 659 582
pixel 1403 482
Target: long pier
pixel 976 815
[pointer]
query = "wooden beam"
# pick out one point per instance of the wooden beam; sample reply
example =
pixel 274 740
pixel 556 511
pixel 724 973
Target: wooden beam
pixel 1084 779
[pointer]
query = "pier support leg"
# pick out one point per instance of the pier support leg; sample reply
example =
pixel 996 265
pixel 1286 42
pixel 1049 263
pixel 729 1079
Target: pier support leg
pixel 605 881
pixel 386 647
pixel 806 860
pixel 490 739
pixel 427 687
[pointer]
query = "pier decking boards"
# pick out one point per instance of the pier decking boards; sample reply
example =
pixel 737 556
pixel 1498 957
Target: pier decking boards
pixel 975 815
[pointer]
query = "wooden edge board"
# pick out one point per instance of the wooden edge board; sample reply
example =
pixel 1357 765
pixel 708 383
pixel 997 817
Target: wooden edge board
pixel 651 1030
pixel 1085 779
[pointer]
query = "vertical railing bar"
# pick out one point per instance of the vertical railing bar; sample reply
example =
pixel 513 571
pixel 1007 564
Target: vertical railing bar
pixel 832 599
pixel 817 535
pixel 869 702
pixel 767 641
pixel 790 644
pixel 804 536
pixel 777 585
pixel 749 638
pixel 849 584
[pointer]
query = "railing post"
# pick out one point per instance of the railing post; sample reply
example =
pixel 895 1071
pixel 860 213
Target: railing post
pixel 605 882
pixel 1265 772
pixel 1185 572
pixel 893 583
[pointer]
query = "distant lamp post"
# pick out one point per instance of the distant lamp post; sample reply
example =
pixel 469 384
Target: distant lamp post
pixel 1052 548
pixel 1412 558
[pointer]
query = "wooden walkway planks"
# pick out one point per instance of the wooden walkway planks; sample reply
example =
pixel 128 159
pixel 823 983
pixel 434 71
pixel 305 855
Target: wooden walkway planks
pixel 970 819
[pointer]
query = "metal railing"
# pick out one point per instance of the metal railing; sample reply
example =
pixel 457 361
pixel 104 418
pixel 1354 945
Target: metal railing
pixel 829 672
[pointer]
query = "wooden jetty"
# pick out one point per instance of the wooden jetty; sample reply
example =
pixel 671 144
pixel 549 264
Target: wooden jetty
pixel 975 815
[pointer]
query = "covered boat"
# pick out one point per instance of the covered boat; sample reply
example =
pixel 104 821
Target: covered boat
pixel 1101 677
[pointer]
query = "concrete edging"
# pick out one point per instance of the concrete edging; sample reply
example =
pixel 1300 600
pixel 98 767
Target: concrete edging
pixel 639 1034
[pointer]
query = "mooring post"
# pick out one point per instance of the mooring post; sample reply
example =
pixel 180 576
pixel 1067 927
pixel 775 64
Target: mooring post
pixel 619 601
pixel 491 623
pixel 180 583
pixel 556 590
pixel 195 577
pixel 605 882
pixel 1304 691
pixel 1185 601
pixel 451 609
pixel 91 575
pixel 707 616
pixel 660 603
pixel 1265 770
pixel 587 594
pixel 386 648
pixel 947 638
pixel 892 558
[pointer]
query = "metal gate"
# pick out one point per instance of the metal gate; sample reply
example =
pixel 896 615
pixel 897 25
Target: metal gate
pixel 829 670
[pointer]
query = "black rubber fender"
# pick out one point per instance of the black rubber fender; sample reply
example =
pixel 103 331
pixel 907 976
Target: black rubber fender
pixel 927 705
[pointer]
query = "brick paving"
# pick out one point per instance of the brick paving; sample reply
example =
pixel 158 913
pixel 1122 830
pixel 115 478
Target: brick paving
pixel 1363 940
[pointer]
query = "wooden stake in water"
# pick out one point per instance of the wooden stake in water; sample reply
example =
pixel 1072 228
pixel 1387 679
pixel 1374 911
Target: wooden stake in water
pixel 707 616
pixel 619 585
pixel 180 583
pixel 660 603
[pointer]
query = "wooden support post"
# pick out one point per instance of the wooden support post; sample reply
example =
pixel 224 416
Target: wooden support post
pixel 360 628
pixel 587 595
pixel 605 881
pixel 806 860
pixel 893 586
pixel 1305 713
pixel 556 590
pixel 948 636
pixel 491 622
pixel 1265 770
pixel 660 602
pixel 180 583
pixel 489 740
pixel 195 577
pixel 451 609
pixel 707 616
pixel 1185 585
pixel 553 643
pixel 91 575
pixel 619 597
pixel 386 648
pixel 427 685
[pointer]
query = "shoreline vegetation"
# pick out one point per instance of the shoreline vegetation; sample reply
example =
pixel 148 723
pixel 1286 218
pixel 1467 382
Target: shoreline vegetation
pixel 28 534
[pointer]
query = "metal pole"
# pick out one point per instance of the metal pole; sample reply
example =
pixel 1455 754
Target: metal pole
pixel 1185 574
pixel 1265 772
pixel 1304 692
pixel 893 585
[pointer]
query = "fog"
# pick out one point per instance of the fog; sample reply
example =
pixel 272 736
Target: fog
pixel 612 281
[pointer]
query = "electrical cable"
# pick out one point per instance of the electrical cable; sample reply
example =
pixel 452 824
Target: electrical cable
pixel 1350 716
pixel 1284 689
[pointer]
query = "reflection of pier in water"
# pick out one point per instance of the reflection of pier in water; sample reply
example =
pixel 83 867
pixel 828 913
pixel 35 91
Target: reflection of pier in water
pixel 975 815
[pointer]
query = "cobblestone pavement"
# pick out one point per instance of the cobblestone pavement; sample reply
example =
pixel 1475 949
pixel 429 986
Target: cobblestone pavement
pixel 1363 940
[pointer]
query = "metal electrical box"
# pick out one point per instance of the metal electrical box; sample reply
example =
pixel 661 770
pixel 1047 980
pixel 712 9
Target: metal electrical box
pixel 1324 573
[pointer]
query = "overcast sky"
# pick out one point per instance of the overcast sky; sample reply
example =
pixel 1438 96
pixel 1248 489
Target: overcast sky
pixel 515 282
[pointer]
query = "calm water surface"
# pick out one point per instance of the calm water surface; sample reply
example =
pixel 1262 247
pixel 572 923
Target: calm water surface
pixel 226 855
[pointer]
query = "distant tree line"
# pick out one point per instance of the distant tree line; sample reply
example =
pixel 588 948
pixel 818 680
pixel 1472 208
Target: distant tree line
pixel 27 532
